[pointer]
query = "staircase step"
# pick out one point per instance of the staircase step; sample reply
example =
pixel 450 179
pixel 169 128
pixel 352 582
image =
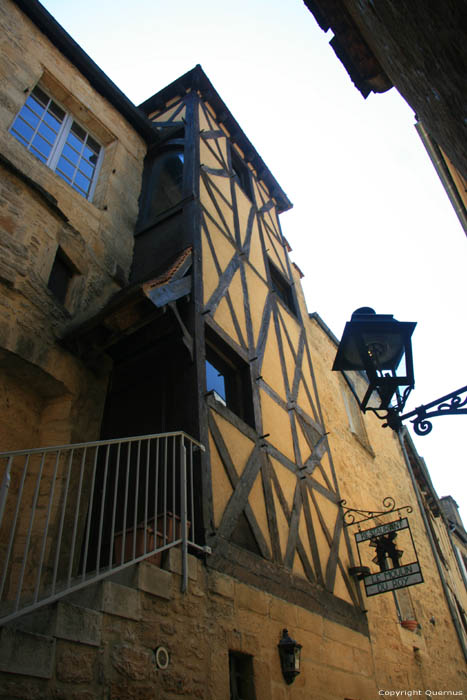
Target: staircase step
pixel 109 597
pixel 64 621
pixel 26 653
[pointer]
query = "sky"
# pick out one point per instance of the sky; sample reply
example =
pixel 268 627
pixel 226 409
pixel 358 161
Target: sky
pixel 371 223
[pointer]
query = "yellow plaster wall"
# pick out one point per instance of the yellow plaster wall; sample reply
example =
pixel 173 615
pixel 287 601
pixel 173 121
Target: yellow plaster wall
pixel 168 114
pixel 223 490
pixel 276 422
pixel 279 419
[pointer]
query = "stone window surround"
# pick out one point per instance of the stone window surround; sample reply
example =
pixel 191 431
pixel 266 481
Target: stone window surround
pixel 75 105
pixel 65 128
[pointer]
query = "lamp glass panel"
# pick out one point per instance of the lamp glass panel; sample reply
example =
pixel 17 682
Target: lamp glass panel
pixel 360 386
pixel 388 348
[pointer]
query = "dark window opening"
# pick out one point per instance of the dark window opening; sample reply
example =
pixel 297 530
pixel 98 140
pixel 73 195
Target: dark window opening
pixel 60 276
pixel 228 378
pixel 163 183
pixel 282 288
pixel 166 182
pixel 242 685
pixel 243 174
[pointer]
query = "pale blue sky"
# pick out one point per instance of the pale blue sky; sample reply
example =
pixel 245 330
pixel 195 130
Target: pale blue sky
pixel 371 223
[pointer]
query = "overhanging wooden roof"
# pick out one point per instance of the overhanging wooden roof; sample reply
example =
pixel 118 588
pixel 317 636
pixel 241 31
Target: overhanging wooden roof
pixel 196 79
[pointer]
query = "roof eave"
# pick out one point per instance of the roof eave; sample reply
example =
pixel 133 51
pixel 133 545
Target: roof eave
pixel 196 79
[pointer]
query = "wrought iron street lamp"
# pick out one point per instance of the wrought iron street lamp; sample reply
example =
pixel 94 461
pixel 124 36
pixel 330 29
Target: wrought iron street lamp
pixel 375 354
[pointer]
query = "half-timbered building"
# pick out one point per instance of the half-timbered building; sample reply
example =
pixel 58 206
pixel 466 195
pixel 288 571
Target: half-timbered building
pixel 171 498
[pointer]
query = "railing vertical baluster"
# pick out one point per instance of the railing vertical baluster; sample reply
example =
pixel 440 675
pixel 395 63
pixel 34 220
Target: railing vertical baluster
pixel 13 526
pixel 156 493
pixel 146 496
pixel 192 495
pixel 62 520
pixel 5 487
pixel 28 537
pixel 90 509
pixel 46 528
pixel 125 505
pixel 75 524
pixel 101 517
pixel 174 486
pixel 135 516
pixel 114 508
pixel 183 508
pixel 164 512
pixel 76 516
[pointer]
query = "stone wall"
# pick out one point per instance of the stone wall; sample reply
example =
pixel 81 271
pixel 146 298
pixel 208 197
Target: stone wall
pixel 41 212
pixel 103 646
pixel 430 657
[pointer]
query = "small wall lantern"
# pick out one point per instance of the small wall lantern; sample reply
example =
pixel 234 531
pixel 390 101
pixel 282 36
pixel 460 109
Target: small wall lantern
pixel 289 653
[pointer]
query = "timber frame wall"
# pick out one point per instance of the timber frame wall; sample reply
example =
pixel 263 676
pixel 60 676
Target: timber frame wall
pixel 270 480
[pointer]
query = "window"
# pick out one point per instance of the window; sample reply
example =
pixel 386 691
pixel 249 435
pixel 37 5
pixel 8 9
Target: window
pixel 242 685
pixel 58 141
pixel 162 183
pixel 354 414
pixel 242 172
pixel 228 378
pixel 282 288
pixel 166 182
pixel 61 275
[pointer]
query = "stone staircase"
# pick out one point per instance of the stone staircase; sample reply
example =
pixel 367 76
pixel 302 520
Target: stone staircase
pixel 28 644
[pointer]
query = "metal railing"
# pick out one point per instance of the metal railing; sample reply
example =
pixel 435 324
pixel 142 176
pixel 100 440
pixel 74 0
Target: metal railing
pixel 74 514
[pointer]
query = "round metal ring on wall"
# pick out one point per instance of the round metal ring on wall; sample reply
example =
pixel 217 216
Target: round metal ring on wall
pixel 162 658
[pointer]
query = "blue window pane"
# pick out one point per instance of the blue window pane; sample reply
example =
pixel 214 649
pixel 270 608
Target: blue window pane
pixel 90 155
pixel 34 108
pixel 81 192
pixel 22 131
pixel 75 142
pixel 66 169
pixel 51 121
pixel 38 155
pixel 214 380
pixel 29 116
pixel 86 168
pixel 41 146
pixel 82 181
pixel 92 148
pixel 71 154
pixel 47 133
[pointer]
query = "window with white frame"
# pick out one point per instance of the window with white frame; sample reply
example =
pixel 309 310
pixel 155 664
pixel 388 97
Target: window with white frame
pixel 55 138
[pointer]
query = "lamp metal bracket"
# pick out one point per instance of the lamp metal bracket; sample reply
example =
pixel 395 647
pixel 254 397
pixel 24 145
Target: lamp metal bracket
pixel 451 404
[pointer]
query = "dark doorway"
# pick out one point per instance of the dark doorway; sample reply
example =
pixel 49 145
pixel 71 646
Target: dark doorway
pixel 150 392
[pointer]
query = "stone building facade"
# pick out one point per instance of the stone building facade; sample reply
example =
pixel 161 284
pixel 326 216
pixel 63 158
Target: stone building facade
pixel 146 289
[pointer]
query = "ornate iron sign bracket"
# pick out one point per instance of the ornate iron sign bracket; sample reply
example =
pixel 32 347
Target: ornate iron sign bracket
pixel 450 405
pixel 389 506
pixel 392 573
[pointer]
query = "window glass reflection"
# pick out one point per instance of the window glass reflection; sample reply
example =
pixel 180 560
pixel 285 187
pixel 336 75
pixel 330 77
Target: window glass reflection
pixel 166 182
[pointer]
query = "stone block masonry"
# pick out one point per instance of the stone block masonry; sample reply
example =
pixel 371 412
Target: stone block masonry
pixel 126 623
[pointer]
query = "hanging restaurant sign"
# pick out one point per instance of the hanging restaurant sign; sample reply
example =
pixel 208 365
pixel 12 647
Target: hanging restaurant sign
pixel 383 539
pixel 390 546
